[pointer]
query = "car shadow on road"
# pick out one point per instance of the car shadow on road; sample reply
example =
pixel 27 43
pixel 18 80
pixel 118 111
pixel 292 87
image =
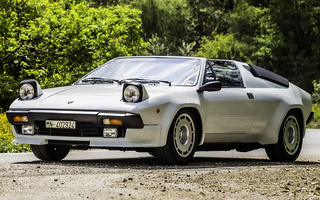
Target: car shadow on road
pixel 151 163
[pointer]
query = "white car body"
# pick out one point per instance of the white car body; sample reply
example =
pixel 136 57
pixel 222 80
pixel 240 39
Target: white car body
pixel 250 114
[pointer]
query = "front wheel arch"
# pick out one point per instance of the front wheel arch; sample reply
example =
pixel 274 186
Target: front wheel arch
pixel 180 149
pixel 198 121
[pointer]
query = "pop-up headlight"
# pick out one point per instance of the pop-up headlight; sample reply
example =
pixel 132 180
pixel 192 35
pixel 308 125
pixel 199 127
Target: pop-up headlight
pixel 134 92
pixel 29 89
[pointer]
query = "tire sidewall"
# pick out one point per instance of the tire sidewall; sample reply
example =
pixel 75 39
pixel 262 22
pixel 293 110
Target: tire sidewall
pixel 50 152
pixel 281 145
pixel 170 138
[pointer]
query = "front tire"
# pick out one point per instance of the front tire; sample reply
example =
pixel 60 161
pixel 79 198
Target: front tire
pixel 290 140
pixel 50 152
pixel 182 140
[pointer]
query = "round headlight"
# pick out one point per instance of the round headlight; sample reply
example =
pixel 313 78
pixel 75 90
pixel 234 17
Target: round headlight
pixel 131 93
pixel 26 91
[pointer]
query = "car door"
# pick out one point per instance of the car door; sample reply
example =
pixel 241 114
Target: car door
pixel 230 110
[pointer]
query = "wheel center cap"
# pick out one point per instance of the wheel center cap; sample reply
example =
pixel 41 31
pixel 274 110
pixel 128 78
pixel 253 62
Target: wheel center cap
pixel 183 135
pixel 291 135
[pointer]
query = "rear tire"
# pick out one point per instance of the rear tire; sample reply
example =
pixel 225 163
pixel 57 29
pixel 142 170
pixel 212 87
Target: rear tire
pixel 182 140
pixel 290 140
pixel 50 152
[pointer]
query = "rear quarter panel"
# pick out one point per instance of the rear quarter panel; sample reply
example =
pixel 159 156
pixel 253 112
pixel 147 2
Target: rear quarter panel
pixel 273 104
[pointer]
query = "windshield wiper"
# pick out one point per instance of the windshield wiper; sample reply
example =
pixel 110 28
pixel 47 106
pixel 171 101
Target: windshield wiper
pixel 141 80
pixel 100 80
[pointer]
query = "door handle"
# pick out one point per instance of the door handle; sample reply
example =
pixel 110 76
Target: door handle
pixel 250 95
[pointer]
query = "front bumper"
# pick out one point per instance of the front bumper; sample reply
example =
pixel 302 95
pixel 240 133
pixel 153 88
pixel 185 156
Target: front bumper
pixel 89 129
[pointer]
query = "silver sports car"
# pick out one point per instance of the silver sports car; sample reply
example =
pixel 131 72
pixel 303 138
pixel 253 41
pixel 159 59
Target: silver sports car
pixel 167 106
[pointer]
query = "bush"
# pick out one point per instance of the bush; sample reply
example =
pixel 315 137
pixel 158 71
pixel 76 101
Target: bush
pixel 6 137
pixel 316 106
pixel 57 42
pixel 316 92
pixel 315 123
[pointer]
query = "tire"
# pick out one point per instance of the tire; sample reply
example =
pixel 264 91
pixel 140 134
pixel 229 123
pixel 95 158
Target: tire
pixel 50 152
pixel 152 153
pixel 290 140
pixel 182 140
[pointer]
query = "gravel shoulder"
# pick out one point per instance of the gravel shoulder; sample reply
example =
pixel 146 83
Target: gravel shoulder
pixel 145 178
pixel 101 174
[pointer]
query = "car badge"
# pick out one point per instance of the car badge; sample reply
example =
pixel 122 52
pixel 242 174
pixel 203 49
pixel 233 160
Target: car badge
pixel 70 102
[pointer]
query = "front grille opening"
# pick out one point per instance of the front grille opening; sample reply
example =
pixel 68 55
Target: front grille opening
pixel 18 129
pixel 121 132
pixel 84 129
pixel 74 144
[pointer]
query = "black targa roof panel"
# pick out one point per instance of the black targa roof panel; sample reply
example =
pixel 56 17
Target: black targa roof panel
pixel 268 75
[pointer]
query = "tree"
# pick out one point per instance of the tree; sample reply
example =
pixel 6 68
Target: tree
pixel 297 56
pixel 168 25
pixel 248 38
pixel 57 43
pixel 282 36
pixel 211 16
pixel 13 15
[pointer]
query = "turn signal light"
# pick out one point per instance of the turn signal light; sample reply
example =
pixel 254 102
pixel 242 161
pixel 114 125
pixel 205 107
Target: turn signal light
pixel 20 119
pixel 117 122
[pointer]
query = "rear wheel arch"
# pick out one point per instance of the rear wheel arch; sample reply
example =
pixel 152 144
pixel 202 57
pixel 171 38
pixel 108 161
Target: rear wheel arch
pixel 290 138
pixel 298 111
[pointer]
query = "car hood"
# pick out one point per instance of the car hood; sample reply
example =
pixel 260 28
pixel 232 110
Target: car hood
pixel 82 97
pixel 99 97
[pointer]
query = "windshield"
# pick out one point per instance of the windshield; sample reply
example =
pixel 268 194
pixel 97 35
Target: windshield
pixel 173 71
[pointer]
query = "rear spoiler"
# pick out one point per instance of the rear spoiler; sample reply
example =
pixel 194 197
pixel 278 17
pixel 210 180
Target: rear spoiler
pixel 268 75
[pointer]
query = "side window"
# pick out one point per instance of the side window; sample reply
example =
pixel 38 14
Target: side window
pixel 227 73
pixel 210 75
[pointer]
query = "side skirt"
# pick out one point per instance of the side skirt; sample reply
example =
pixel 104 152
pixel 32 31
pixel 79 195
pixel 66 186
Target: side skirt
pixel 241 147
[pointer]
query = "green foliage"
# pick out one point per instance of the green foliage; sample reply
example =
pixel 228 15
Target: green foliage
pixel 106 3
pixel 316 92
pixel 297 55
pixel 248 39
pixel 58 42
pixel 211 16
pixel 224 46
pixel 282 36
pixel 315 123
pixel 6 137
pixel 168 25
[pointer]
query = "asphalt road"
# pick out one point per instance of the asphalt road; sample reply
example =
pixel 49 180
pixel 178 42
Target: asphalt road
pixel 310 152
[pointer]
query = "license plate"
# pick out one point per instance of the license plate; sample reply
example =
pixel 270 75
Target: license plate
pixel 60 124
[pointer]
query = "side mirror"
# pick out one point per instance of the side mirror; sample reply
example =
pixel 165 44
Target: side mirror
pixel 210 87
